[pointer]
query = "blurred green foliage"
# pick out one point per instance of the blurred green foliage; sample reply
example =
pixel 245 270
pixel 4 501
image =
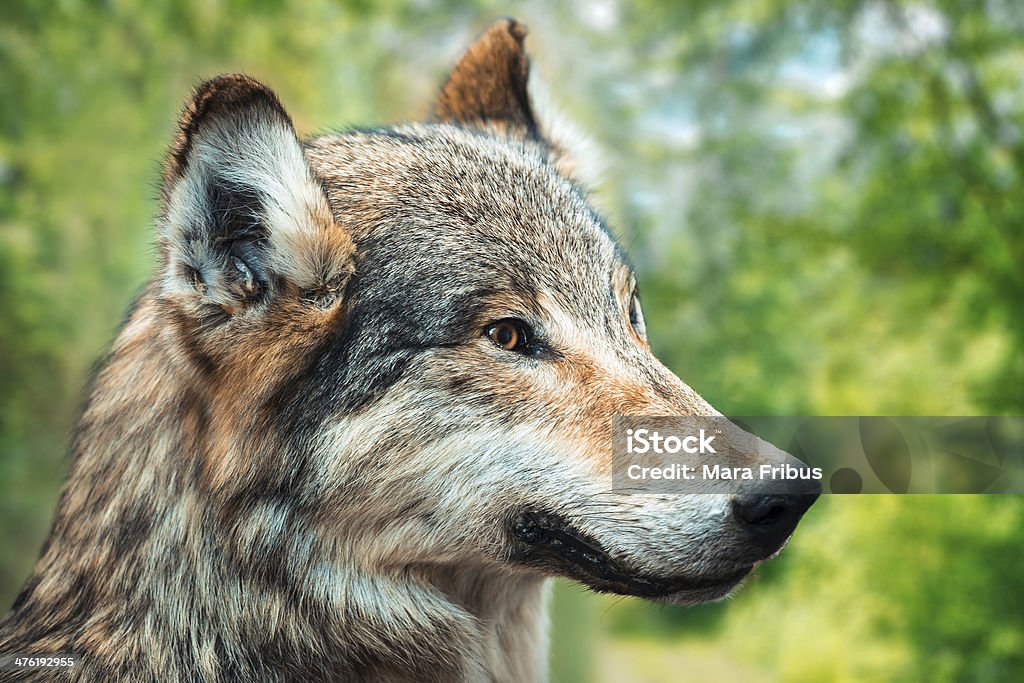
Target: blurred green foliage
pixel 823 200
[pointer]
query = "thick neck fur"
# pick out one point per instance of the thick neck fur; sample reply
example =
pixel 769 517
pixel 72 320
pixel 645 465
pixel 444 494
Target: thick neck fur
pixel 154 572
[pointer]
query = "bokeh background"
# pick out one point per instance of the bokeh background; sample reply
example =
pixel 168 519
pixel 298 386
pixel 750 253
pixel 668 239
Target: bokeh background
pixel 823 199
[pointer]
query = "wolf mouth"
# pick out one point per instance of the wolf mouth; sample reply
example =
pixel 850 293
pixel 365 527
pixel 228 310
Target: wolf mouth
pixel 548 542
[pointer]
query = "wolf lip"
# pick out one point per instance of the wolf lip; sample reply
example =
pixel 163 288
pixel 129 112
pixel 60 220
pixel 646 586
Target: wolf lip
pixel 551 544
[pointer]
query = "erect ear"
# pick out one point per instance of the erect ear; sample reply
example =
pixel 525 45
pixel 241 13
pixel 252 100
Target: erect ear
pixel 489 83
pixel 489 89
pixel 245 219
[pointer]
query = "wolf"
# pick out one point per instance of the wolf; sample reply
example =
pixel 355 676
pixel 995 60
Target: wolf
pixel 361 414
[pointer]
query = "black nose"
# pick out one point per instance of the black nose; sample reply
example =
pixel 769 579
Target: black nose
pixel 770 519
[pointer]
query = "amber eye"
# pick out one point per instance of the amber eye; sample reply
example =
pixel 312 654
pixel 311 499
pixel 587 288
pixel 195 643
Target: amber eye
pixel 508 334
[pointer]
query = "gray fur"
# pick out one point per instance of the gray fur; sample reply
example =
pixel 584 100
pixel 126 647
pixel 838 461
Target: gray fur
pixel 304 459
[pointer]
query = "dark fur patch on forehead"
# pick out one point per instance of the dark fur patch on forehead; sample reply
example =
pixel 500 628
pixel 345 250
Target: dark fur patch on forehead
pixel 390 325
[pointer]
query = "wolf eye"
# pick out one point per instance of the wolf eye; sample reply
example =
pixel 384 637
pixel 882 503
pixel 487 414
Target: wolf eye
pixel 636 317
pixel 509 334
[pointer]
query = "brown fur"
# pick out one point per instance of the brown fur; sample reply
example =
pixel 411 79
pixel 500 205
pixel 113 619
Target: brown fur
pixel 304 459
pixel 489 84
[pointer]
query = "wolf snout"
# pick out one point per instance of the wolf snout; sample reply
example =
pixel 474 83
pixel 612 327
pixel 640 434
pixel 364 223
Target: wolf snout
pixel 769 519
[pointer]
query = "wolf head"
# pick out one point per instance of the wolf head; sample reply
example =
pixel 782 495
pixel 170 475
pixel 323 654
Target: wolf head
pixel 410 343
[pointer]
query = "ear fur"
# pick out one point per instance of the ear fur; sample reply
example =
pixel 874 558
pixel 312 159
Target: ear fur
pixel 244 217
pixel 490 88
pixel 489 84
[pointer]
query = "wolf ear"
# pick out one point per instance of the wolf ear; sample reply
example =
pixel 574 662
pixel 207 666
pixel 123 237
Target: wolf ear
pixel 244 217
pixel 489 88
pixel 489 83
